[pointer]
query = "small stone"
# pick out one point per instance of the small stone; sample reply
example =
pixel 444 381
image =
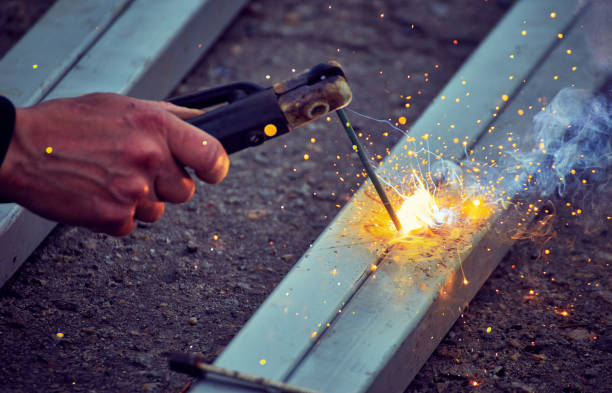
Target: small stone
pixel 256 214
pixel 515 343
pixel 90 244
pixel 287 257
pixel 523 387
pixel 499 371
pixel 292 18
pixel 193 321
pixel 65 306
pixel 324 196
pixel 150 387
pixel 244 286
pixel 579 334
pixel 192 246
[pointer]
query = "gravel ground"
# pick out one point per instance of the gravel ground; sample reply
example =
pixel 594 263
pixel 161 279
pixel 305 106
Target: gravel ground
pixel 189 282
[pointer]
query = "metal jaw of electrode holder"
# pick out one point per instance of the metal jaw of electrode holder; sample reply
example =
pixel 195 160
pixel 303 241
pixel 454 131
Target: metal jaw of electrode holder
pixel 254 114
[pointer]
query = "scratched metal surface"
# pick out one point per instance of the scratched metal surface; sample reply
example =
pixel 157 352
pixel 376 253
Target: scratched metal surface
pixel 397 325
pixel 135 47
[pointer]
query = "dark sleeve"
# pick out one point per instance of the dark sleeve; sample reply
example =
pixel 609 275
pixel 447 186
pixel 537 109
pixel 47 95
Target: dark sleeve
pixel 7 126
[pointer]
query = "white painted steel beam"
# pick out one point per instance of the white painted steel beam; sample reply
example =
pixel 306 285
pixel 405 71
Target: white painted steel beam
pixel 390 325
pixel 140 48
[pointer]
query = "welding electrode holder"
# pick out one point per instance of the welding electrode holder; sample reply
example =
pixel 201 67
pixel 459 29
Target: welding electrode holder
pixel 254 114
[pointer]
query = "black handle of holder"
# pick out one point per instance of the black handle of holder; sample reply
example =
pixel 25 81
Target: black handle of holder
pixel 252 114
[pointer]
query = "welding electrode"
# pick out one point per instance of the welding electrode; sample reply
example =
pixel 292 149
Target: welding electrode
pixel 369 169
pixel 254 114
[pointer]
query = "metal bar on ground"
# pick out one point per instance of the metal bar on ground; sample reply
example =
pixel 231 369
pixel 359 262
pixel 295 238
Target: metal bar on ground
pixel 52 46
pixel 135 47
pixel 329 325
pixel 406 311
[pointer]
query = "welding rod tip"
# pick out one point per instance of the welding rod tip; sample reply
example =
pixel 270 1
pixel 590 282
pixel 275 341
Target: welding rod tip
pixel 369 169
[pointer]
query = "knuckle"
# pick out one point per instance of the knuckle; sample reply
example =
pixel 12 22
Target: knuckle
pixel 142 152
pixel 150 156
pixel 129 189
pixel 95 98
pixel 146 118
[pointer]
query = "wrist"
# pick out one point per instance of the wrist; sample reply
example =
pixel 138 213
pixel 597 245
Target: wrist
pixel 7 126
pixel 11 158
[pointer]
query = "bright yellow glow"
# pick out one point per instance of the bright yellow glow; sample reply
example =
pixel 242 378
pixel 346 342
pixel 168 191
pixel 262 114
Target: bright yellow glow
pixel 49 150
pixel 270 130
pixel 553 15
pixel 60 335
pixel 262 362
pixel 505 97
pixel 476 202
pixel 402 120
pixel 417 211
pixel 306 156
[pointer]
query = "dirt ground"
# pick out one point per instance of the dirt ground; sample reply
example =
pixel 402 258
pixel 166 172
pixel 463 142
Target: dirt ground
pixel 189 282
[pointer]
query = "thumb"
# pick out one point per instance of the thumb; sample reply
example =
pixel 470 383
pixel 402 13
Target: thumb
pixel 198 150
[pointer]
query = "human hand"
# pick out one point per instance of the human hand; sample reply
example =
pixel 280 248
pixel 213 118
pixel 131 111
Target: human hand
pixel 103 160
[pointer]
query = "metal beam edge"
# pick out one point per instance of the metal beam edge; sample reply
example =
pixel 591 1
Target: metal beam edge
pixel 150 48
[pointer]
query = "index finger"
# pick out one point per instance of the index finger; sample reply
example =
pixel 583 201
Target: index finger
pixel 198 150
pixel 179 111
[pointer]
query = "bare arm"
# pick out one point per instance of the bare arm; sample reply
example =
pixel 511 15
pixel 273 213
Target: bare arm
pixel 103 160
